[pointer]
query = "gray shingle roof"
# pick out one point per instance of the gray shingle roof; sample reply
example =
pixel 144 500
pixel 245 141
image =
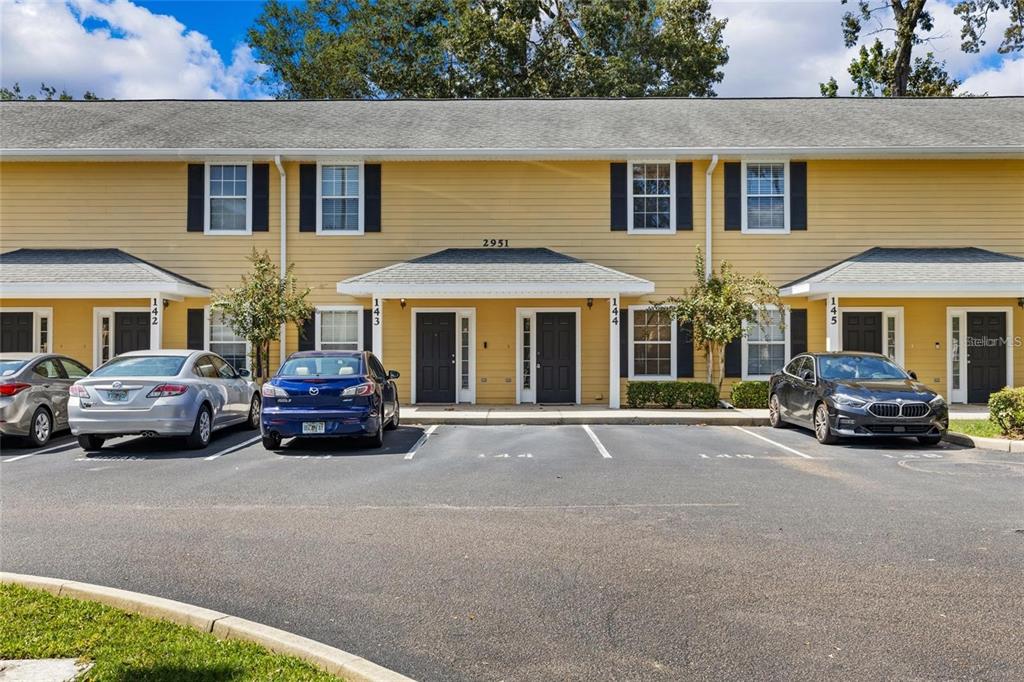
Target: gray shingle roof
pixel 909 269
pixel 515 272
pixel 496 126
pixel 89 270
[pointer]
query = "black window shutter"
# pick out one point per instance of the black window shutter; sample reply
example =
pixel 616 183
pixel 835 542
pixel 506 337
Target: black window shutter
pixel 797 195
pixel 624 341
pixel 620 191
pixel 307 334
pixel 260 197
pixel 371 213
pixel 307 197
pixel 194 337
pixel 196 194
pixel 684 349
pixel 797 331
pixel 733 196
pixel 684 196
pixel 368 329
pixel 734 358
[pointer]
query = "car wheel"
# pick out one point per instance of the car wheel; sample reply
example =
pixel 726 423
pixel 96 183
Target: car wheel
pixel 254 413
pixel 201 431
pixel 90 443
pixel 822 431
pixel 41 428
pixel 393 424
pixel 272 442
pixel 377 440
pixel 929 440
pixel 775 412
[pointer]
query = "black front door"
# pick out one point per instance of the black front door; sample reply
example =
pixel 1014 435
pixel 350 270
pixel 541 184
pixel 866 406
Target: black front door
pixel 986 355
pixel 16 333
pixel 131 332
pixel 862 332
pixel 435 357
pixel 556 357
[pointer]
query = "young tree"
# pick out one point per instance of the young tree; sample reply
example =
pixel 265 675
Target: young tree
pixel 46 92
pixel 893 71
pixel 717 307
pixel 265 300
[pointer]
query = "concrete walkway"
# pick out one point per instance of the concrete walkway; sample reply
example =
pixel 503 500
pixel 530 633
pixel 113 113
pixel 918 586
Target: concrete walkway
pixel 574 414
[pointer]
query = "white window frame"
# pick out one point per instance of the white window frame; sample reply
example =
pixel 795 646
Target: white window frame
pixel 960 395
pixel 207 197
pixel 339 309
pixel 207 340
pixel 745 376
pixel 462 395
pixel 38 314
pixel 320 199
pixel 672 197
pixel 787 192
pixel 632 344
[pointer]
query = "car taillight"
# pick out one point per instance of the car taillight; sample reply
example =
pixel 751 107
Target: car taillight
pixel 358 389
pixel 13 388
pixel 167 390
pixel 271 391
pixel 77 391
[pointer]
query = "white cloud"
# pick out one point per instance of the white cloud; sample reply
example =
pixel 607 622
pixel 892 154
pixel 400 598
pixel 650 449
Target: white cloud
pixel 117 49
pixel 1005 79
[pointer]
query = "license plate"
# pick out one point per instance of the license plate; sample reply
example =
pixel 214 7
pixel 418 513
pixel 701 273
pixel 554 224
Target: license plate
pixel 312 427
pixel 117 396
pixel 899 429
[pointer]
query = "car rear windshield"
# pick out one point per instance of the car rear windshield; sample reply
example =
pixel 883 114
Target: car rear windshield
pixel 9 367
pixel 142 366
pixel 863 367
pixel 326 366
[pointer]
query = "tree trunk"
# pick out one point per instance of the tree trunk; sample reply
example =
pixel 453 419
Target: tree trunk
pixel 906 25
pixel 709 361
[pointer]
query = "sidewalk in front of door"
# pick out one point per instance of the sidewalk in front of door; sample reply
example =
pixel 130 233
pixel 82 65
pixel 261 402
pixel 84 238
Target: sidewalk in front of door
pixel 574 414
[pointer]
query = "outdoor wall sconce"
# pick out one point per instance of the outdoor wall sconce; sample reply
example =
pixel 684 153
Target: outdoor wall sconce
pixel 590 303
pixel 1020 302
pixel 938 345
pixel 401 302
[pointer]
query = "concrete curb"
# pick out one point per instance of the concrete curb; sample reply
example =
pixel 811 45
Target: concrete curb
pixel 555 419
pixel 1000 444
pixel 335 661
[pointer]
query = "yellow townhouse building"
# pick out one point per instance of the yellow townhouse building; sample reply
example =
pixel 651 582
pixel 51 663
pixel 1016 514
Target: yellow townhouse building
pixel 508 251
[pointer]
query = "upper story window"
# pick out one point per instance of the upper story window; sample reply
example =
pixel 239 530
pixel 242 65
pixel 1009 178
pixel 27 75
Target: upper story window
pixel 765 345
pixel 339 209
pixel 228 199
pixel 339 328
pixel 651 193
pixel 652 342
pixel 765 196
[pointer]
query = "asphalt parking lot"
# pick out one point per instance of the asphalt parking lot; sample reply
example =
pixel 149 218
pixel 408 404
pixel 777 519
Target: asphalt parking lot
pixel 558 552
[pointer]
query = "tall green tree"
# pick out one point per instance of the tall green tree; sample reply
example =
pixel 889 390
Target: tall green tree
pixel 489 48
pixel 894 70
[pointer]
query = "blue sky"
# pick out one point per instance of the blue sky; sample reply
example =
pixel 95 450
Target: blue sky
pixel 196 49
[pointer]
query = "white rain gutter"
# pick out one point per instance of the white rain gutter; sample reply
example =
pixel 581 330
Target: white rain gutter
pixel 707 215
pixel 284 241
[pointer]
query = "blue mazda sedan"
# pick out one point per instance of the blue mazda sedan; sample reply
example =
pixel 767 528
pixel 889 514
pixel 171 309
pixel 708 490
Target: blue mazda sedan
pixel 322 394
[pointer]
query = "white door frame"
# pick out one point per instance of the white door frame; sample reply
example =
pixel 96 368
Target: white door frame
pixel 894 312
pixel 97 315
pixel 462 395
pixel 522 313
pixel 38 314
pixel 960 395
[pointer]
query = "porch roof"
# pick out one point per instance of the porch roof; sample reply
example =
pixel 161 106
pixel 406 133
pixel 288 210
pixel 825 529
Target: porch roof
pixel 495 273
pixel 924 272
pixel 89 273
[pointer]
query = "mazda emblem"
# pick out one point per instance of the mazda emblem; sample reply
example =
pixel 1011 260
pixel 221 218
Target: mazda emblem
pixel 313 390
pixel 116 384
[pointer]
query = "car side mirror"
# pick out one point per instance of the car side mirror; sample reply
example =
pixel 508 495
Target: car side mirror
pixel 393 374
pixel 807 375
pixel 244 373
pixel 913 375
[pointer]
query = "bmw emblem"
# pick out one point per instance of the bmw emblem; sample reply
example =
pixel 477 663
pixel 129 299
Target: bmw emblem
pixel 313 390
pixel 116 384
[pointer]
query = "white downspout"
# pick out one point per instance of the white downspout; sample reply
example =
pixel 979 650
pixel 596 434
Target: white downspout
pixel 284 241
pixel 707 216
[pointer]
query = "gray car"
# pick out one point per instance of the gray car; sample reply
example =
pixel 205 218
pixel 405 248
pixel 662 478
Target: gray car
pixel 162 393
pixel 34 394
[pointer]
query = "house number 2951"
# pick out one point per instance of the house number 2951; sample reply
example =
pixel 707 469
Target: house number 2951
pixel 496 243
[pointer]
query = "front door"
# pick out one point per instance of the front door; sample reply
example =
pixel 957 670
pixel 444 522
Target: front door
pixel 16 333
pixel 986 355
pixel 435 357
pixel 862 332
pixel 556 357
pixel 131 332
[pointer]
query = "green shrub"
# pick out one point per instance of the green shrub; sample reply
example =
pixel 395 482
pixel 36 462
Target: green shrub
pixel 750 395
pixel 1006 409
pixel 671 394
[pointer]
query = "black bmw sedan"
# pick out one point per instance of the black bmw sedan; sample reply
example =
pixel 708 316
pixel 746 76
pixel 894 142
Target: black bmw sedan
pixel 856 395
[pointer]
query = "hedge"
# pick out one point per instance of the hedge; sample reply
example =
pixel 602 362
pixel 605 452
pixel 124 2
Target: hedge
pixel 1006 410
pixel 750 395
pixel 671 394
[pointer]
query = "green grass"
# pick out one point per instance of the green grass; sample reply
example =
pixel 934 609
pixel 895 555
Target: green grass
pixel 125 646
pixel 976 427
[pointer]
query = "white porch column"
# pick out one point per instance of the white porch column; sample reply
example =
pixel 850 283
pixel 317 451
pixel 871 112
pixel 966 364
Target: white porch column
pixel 377 320
pixel 613 353
pixel 156 322
pixel 833 330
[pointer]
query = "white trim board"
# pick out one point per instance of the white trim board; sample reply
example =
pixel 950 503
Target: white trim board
pixel 461 395
pixel 964 374
pixel 97 315
pixel 532 313
pixel 38 314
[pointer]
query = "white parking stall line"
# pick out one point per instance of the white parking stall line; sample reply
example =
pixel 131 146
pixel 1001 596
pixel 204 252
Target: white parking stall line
pixel 42 452
pixel 233 448
pixel 423 439
pixel 776 444
pixel 597 443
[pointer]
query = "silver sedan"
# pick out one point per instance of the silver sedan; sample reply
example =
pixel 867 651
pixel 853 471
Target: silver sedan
pixel 162 393
pixel 34 394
